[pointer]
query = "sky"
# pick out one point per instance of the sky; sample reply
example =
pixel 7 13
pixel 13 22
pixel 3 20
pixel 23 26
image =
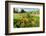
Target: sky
pixel 31 9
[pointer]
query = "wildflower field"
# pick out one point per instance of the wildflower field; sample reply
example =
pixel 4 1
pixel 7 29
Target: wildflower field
pixel 26 19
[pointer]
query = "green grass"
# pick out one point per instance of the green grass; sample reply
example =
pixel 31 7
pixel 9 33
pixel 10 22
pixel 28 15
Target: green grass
pixel 33 21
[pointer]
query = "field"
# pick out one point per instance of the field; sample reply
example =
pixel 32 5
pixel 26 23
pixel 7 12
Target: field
pixel 26 20
pixel 26 17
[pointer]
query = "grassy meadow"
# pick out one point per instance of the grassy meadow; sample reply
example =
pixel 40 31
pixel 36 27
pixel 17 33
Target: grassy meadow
pixel 25 18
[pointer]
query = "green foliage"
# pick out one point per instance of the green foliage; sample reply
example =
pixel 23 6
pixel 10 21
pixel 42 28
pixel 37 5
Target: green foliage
pixel 27 20
pixel 23 18
pixel 15 10
pixel 22 11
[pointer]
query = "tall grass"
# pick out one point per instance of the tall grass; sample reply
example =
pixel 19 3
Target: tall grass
pixel 25 20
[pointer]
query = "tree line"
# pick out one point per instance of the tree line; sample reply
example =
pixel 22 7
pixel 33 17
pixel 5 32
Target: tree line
pixel 23 11
pixel 16 11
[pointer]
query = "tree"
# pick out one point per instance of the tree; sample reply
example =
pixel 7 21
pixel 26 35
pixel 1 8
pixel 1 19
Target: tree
pixel 15 11
pixel 22 11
